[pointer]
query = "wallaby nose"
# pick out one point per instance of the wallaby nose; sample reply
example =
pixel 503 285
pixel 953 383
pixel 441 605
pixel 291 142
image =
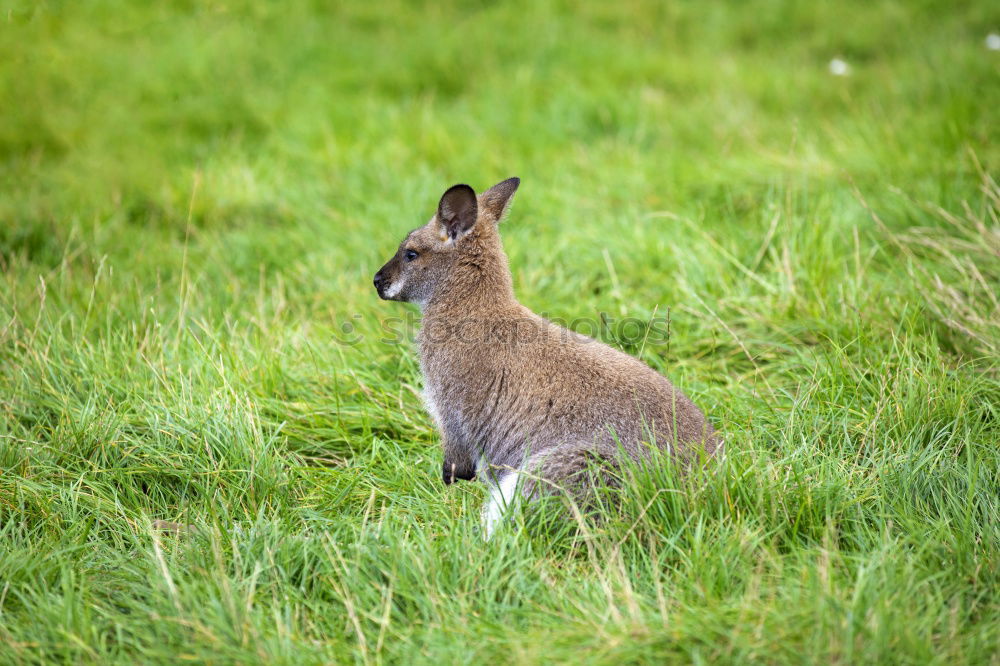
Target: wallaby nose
pixel 378 280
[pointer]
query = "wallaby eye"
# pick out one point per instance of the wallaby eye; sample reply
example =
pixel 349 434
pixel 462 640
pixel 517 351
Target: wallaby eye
pixel 410 255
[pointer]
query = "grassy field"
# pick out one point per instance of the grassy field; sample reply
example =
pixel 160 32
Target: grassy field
pixel 195 196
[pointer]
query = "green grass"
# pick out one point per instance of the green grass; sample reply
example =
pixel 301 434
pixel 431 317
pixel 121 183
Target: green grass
pixel 194 199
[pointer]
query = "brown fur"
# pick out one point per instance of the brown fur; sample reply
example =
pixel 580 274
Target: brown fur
pixel 508 388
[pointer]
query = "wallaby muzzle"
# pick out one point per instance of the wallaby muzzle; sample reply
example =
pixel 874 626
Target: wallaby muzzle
pixel 384 279
pixel 380 283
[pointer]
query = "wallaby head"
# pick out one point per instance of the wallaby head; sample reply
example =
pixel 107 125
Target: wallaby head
pixel 456 254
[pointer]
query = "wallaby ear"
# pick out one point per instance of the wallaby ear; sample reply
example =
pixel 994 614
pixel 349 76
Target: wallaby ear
pixel 496 200
pixel 458 210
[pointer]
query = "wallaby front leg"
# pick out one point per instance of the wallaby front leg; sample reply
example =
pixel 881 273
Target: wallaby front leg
pixel 458 465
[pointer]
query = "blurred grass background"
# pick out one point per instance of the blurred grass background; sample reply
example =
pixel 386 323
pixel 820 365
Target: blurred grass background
pixel 195 196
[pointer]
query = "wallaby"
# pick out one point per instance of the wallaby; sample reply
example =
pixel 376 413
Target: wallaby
pixel 519 401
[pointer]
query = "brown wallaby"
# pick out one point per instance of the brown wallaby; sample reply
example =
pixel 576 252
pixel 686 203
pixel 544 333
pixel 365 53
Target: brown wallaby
pixel 513 394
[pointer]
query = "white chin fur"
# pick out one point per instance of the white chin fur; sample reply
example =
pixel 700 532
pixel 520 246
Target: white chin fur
pixel 394 289
pixel 503 495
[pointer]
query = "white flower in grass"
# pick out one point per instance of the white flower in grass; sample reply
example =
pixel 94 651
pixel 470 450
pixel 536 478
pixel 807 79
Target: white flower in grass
pixel 993 41
pixel 839 67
